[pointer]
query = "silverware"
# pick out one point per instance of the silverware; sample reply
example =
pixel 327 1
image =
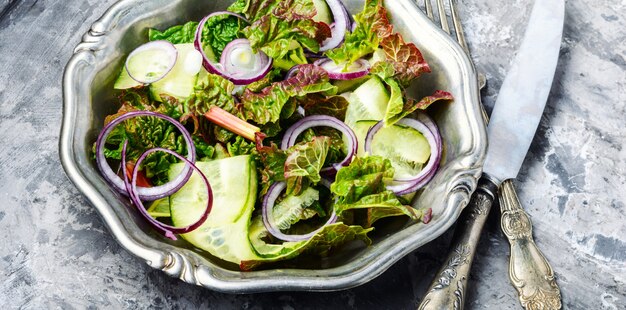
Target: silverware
pixel 529 271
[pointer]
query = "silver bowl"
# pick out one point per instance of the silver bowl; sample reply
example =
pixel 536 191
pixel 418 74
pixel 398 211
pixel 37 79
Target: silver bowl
pixel 88 98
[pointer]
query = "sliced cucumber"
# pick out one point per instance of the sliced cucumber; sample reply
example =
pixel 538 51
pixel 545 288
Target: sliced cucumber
pixel 124 81
pixel 180 82
pixel 323 12
pixel 405 147
pixel 368 102
pixel 225 232
pixel 349 85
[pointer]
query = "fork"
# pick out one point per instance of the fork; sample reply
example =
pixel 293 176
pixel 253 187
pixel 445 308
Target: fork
pixel 529 271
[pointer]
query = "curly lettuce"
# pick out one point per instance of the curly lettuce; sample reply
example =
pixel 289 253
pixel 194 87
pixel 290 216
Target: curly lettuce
pixel 304 163
pixel 178 34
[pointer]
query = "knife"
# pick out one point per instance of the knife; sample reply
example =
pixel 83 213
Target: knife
pixel 514 120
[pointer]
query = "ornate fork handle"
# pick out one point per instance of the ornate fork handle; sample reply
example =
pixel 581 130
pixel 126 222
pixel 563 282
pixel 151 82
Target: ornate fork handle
pixel 529 271
pixel 448 289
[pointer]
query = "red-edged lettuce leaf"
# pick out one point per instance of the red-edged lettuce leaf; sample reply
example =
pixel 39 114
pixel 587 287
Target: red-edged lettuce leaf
pixel 212 90
pixel 364 176
pixel 272 166
pixel 406 58
pixel 317 104
pixel 304 162
pixel 372 26
pixel 412 105
pixel 282 29
pixel 266 106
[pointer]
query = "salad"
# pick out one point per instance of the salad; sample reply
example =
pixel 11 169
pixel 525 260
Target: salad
pixel 272 129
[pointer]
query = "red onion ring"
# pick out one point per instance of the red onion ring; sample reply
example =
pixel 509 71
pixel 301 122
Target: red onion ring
pixel 289 139
pixel 217 68
pixel 428 172
pixel 145 193
pixel 342 25
pixel 292 72
pixel 131 186
pixel 268 217
pixel 240 77
pixel 335 71
pixel 170 52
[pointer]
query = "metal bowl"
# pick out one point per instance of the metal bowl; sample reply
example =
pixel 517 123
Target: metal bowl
pixel 88 98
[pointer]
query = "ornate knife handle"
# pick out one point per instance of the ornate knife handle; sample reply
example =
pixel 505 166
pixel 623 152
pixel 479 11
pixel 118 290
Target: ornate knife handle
pixel 448 288
pixel 529 271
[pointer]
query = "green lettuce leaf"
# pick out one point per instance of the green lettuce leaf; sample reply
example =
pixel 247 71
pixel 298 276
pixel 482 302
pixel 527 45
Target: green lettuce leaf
pixel 176 35
pixel 372 26
pixel 212 90
pixel 266 106
pixel 303 164
pixel 364 176
pixel 241 146
pixel 293 209
pixel 381 205
pixel 317 104
pixel 330 236
pixel 218 31
pixel 282 29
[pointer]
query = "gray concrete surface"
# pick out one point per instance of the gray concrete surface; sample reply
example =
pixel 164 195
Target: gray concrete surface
pixel 56 253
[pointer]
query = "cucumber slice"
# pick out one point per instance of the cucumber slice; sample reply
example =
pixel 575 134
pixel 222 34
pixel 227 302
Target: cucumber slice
pixel 225 232
pixel 405 147
pixel 368 102
pixel 180 82
pixel 124 81
pixel 349 85
pixel 323 12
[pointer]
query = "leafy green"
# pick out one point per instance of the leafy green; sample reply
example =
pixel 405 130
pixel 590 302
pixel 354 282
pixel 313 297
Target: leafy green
pixel 211 90
pixel 282 29
pixel 218 31
pixel 372 26
pixel 381 205
pixel 318 104
pixel 241 146
pixel 330 236
pixel 272 166
pixel 303 164
pixel 266 106
pixel 412 105
pixel 405 58
pixel 364 176
pixel 176 35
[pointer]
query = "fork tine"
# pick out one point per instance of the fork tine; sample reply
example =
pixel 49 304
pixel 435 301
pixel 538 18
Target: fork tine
pixel 429 9
pixel 458 27
pixel 442 16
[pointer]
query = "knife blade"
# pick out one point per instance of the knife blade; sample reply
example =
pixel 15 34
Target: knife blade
pixel 524 92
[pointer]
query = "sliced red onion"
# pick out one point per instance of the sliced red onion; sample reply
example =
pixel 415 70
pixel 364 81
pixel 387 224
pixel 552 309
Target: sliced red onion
pixel 291 135
pixel 132 189
pixel 144 193
pixel 268 216
pixel 428 172
pixel 238 73
pixel 342 25
pixel 237 77
pixel 358 69
pixel 151 62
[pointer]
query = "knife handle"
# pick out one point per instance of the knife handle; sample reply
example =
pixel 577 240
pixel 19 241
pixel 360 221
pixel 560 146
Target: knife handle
pixel 529 271
pixel 447 291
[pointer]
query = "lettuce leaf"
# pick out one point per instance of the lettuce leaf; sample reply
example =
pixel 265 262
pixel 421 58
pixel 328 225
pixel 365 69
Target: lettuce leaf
pixel 218 32
pixel 303 164
pixel 379 206
pixel 330 236
pixel 176 35
pixel 212 90
pixel 406 59
pixel 272 166
pixel 266 106
pixel 282 29
pixel 364 176
pixel 317 104
pixel 293 209
pixel 372 26
pixel 412 105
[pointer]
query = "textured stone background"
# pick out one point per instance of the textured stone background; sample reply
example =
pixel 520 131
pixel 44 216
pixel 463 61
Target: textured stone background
pixel 56 253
